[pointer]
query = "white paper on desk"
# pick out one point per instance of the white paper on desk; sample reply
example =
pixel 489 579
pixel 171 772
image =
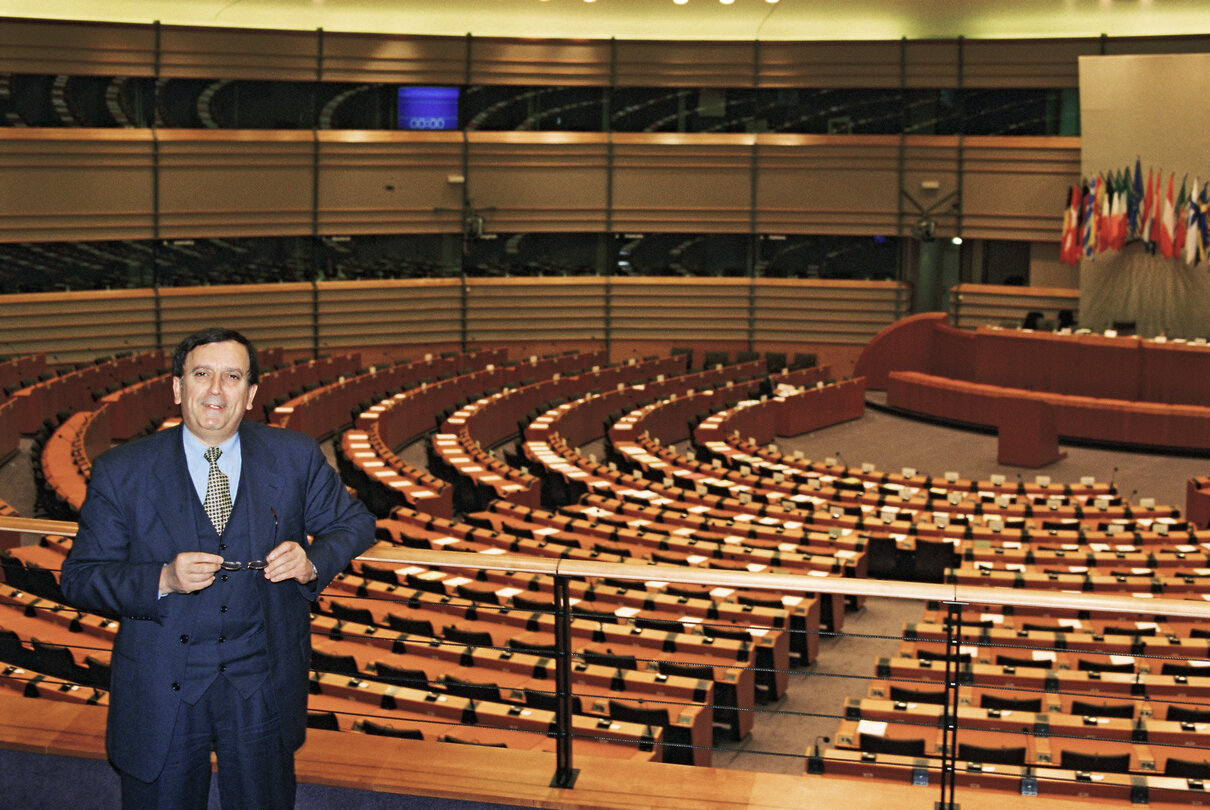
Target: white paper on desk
pixel 696 559
pixel 1142 572
pixel 1119 660
pixel 721 593
pixel 787 547
pixel 1043 655
pixel 655 584
pixel 968 649
pixel 508 593
pixel 697 510
pixel 1078 569
pixel 809 573
pixel 732 540
pixel 1073 624
pixel 684 531
pixel 875 727
pixel 626 612
pixel 791 601
pixel 994 618
pixel 690 620
pixel 492 551
pixel 445 541
pixel 454 582
pixel 1199 664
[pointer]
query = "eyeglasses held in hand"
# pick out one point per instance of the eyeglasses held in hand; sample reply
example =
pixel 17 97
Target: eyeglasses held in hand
pixel 251 565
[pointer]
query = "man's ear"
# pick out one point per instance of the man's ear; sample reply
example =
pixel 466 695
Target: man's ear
pixel 251 396
pixel 176 390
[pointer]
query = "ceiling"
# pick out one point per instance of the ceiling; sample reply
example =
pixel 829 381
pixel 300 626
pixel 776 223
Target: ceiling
pixel 659 19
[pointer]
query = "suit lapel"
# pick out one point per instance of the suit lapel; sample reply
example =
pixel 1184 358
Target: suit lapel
pixel 259 485
pixel 175 491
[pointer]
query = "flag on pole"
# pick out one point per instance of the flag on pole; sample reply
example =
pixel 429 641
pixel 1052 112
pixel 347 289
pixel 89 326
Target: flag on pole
pixel 1069 245
pixel 1146 217
pixel 1192 232
pixel 1088 238
pixel 1180 229
pixel 1167 222
pixel 1135 202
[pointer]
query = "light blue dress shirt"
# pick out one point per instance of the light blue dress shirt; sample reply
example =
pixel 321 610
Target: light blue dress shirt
pixel 230 462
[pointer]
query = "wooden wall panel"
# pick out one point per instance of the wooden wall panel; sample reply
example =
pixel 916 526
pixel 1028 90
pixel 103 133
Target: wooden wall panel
pixel 699 309
pixel 353 314
pixel 75 326
pixel 678 183
pixel 825 311
pixel 975 305
pixel 1011 192
pixel 827 184
pixel 239 183
pixel 238 53
pixel 96 184
pixel 1018 63
pixel 76 48
pixel 268 314
pixel 83 49
pixel 553 182
pixel 519 310
pixel 655 63
pixel 539 61
pixel 384 58
pixel 864 65
pixel 75 184
pixel 390 182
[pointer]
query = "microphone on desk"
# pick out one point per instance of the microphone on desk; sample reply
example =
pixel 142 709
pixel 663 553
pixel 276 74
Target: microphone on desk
pixel 1126 510
pixel 1020 484
pixel 844 463
pixel 815 760
pixel 1113 478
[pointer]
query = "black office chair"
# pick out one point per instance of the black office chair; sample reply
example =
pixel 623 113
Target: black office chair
pixel 1006 704
pixel 323 720
pixel 988 756
pixel 381 730
pixel 874 744
pixel 344 613
pixel 334 664
pixel 1031 320
pixel 1095 763
pixel 1088 709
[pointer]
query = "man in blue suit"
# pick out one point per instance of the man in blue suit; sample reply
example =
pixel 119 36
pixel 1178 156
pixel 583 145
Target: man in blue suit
pixel 212 560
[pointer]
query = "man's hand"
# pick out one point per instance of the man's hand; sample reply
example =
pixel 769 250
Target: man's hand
pixel 289 561
pixel 189 571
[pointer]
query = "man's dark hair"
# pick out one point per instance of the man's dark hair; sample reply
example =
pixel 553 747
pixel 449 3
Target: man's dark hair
pixel 214 334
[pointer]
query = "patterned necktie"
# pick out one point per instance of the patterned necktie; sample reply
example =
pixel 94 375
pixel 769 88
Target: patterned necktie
pixel 218 492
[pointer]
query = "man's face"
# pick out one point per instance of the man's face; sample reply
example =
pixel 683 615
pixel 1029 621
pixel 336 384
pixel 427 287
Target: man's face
pixel 214 392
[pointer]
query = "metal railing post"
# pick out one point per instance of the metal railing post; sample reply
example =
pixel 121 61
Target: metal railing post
pixel 949 718
pixel 565 774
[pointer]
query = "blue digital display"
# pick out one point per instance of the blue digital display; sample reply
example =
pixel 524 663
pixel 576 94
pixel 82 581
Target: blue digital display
pixel 428 108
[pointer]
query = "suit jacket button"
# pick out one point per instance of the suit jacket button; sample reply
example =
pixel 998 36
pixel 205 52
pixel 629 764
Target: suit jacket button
pixel 224 577
pixel 222 667
pixel 221 639
pixel 184 639
pixel 223 609
pixel 176 687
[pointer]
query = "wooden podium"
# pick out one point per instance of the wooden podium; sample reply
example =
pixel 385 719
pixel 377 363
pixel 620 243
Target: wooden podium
pixel 1027 434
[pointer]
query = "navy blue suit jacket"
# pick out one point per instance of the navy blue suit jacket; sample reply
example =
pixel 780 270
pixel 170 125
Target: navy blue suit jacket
pixel 137 516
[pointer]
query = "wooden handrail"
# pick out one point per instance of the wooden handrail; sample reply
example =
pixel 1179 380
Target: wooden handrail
pixel 788 583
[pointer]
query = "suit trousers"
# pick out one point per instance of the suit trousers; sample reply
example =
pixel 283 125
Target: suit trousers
pixel 254 768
